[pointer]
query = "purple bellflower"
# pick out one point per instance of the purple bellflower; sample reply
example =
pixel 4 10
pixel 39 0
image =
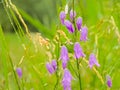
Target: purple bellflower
pixel 84 32
pixel 19 72
pixel 69 26
pixel 72 15
pixel 78 51
pixel 64 56
pixel 93 61
pixel 54 64
pixel 79 23
pixel 66 80
pixel 50 68
pixel 62 17
pixel 109 81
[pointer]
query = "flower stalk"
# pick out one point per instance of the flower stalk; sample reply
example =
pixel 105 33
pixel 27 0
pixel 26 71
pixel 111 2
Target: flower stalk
pixel 79 76
pixel 77 61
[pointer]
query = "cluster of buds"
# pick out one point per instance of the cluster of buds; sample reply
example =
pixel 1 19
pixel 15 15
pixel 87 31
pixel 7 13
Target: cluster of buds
pixel 72 25
pixel 69 24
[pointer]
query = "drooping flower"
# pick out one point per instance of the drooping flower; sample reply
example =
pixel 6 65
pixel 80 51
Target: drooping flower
pixel 64 53
pixel 72 14
pixel 93 61
pixel 109 81
pixel 62 17
pixel 64 63
pixel 50 68
pixel 64 56
pixel 69 26
pixel 54 64
pixel 66 80
pixel 19 72
pixel 79 23
pixel 78 51
pixel 84 32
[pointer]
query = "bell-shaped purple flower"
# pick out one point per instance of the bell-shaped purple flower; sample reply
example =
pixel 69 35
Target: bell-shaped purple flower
pixel 93 61
pixel 84 33
pixel 72 15
pixel 78 51
pixel 64 56
pixel 50 68
pixel 79 23
pixel 109 81
pixel 64 53
pixel 62 17
pixel 69 26
pixel 54 64
pixel 19 72
pixel 64 63
pixel 66 81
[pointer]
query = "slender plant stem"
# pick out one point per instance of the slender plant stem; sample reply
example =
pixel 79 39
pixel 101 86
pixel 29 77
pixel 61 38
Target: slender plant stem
pixel 77 61
pixel 14 73
pixel 80 84
pixel 56 85
pixel 57 76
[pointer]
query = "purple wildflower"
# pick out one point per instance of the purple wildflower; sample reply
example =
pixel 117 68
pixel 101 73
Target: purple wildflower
pixel 69 26
pixel 72 15
pixel 109 81
pixel 78 50
pixel 50 68
pixel 54 64
pixel 64 64
pixel 62 17
pixel 66 81
pixel 79 23
pixel 64 53
pixel 92 61
pixel 64 56
pixel 19 72
pixel 84 32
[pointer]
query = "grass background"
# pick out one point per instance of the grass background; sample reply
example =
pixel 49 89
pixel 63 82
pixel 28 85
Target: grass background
pixel 18 50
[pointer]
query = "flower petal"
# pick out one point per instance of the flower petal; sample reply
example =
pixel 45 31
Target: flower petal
pixel 93 61
pixel 84 32
pixel 69 26
pixel 62 17
pixel 78 50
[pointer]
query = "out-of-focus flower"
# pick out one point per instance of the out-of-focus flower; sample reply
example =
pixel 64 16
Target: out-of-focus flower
pixel 54 64
pixel 72 15
pixel 93 61
pixel 109 81
pixel 19 72
pixel 66 81
pixel 64 53
pixel 50 68
pixel 78 50
pixel 62 17
pixel 84 32
pixel 64 56
pixel 79 23
pixel 66 9
pixel 64 64
pixel 69 26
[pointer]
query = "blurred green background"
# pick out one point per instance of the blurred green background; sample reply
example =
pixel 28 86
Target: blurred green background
pixel 102 18
pixel 47 11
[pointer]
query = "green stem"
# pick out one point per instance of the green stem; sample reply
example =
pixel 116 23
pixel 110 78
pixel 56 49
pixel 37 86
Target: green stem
pixel 57 76
pixel 14 72
pixel 80 84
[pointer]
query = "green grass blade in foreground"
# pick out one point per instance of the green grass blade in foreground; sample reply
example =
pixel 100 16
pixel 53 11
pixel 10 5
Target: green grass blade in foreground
pixel 7 64
pixel 3 59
